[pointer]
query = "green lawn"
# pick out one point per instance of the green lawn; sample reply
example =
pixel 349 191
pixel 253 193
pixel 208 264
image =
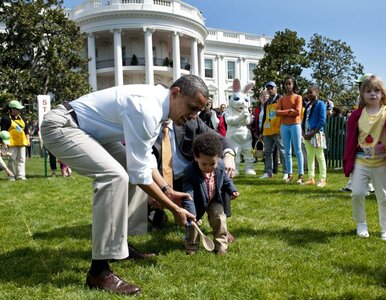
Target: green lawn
pixel 292 242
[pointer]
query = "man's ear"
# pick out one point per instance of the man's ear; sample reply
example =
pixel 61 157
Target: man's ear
pixel 174 91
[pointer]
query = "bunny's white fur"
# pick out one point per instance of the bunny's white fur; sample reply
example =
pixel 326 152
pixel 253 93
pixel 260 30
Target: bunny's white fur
pixel 238 118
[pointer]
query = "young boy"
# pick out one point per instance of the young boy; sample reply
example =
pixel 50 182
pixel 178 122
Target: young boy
pixel 206 181
pixel 4 140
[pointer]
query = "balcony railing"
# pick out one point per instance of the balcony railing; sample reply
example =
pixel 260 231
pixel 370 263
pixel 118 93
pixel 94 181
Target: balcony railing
pixel 128 61
pixel 175 7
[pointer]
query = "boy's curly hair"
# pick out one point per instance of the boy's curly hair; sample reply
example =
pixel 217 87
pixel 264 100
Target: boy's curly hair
pixel 207 143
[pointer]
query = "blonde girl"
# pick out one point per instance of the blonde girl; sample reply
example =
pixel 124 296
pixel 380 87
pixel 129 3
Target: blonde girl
pixel 365 152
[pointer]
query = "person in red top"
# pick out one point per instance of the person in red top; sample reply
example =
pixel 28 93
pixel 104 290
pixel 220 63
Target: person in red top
pixel 222 126
pixel 289 108
pixel 365 152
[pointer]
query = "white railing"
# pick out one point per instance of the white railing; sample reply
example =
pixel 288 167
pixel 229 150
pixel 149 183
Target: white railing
pixel 225 36
pixel 90 7
pixel 162 2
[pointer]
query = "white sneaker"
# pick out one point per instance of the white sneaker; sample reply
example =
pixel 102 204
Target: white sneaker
pixel 371 188
pixel 285 176
pixel 383 235
pixel 362 230
pixel 322 183
pixel 266 175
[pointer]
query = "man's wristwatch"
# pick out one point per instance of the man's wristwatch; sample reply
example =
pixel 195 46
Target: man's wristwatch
pixel 165 188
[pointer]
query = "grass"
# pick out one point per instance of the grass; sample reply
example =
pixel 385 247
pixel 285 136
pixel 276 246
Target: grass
pixel 292 242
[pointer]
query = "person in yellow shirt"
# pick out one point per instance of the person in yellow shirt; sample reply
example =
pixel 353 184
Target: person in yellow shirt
pixel 271 132
pixel 19 139
pixel 365 152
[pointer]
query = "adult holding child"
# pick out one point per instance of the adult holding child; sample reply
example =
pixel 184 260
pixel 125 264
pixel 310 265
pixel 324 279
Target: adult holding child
pixel 290 108
pixel 15 124
pixel 271 133
pixel 314 138
pixel 365 152
pixel 86 134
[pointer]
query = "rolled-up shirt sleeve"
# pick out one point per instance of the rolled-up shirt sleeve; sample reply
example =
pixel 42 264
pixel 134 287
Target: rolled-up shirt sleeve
pixel 140 131
pixel 142 116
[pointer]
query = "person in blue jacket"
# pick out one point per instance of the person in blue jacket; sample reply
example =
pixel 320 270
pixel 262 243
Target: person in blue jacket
pixel 313 133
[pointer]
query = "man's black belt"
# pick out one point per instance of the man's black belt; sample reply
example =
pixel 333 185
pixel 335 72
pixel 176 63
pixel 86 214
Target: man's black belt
pixel 68 106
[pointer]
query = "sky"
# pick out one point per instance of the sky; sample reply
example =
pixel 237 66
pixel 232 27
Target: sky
pixel 359 23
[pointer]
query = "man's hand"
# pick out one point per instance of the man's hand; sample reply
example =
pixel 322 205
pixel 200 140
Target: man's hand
pixel 177 197
pixel 154 203
pixel 181 216
pixel 229 165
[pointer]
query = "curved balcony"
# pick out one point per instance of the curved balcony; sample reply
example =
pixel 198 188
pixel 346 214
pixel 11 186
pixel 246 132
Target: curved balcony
pixel 101 7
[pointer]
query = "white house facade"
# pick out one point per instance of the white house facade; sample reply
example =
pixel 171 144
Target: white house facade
pixel 157 41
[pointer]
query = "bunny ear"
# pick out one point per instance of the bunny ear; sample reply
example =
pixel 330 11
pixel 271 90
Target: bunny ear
pixel 236 85
pixel 248 87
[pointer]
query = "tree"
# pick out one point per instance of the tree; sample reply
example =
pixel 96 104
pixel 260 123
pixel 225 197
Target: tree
pixel 334 69
pixel 284 56
pixel 40 52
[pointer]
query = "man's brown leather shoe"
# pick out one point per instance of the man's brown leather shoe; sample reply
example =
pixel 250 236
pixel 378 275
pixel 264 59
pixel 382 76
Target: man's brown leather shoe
pixel 110 282
pixel 136 254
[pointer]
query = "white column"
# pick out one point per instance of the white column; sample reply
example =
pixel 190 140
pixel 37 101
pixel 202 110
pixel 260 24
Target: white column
pixel 201 57
pixel 92 78
pixel 176 56
pixel 149 55
pixel 194 54
pixel 221 77
pixel 118 57
pixel 239 70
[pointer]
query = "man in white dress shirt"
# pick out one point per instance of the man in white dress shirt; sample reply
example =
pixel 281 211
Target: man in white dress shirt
pixel 86 134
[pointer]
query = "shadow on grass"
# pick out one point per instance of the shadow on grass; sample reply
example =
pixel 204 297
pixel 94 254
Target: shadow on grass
pixel 77 232
pixel 30 267
pixel 165 241
pixel 293 237
pixel 160 242
pixel 61 266
pixel 378 274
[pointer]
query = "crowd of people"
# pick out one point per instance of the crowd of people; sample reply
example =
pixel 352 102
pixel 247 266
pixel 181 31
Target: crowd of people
pixel 175 155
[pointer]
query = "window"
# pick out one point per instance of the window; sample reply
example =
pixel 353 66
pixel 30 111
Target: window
pixel 208 68
pixel 251 67
pixel 231 69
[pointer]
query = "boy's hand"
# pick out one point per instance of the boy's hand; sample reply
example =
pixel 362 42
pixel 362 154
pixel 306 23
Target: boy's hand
pixel 235 195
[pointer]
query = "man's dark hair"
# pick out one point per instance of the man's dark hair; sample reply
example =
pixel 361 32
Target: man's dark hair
pixel 207 143
pixel 191 85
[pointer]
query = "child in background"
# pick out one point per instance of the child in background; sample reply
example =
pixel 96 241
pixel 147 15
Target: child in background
pixel 290 107
pixel 313 134
pixel 205 179
pixel 4 141
pixel 365 152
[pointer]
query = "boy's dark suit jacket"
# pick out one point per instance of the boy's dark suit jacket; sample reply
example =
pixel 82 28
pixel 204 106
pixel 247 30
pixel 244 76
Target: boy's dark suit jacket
pixel 185 135
pixel 194 184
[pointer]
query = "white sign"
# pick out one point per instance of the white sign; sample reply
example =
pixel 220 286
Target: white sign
pixel 44 106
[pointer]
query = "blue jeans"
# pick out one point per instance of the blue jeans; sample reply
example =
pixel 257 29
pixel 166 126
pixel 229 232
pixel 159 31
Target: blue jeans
pixel 292 133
